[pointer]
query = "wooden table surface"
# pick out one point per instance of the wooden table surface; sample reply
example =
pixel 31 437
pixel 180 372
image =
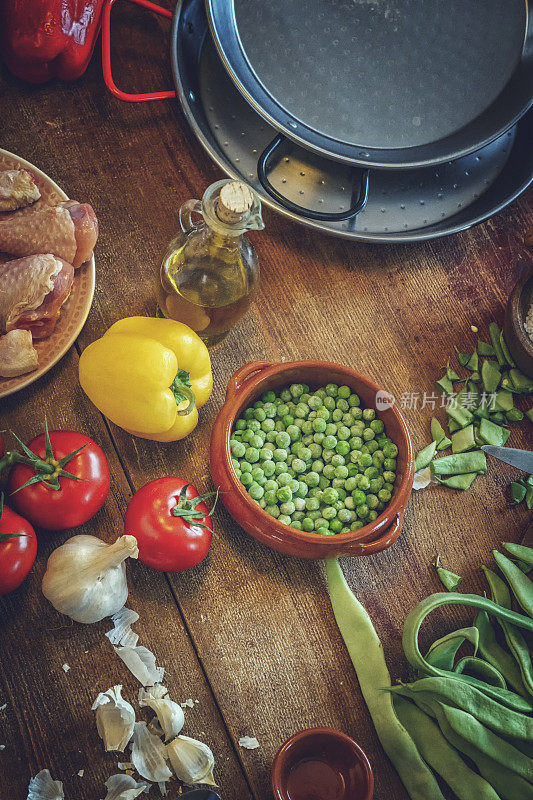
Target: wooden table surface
pixel 249 633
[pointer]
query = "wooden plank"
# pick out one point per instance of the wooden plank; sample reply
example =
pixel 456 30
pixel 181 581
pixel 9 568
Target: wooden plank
pixel 48 722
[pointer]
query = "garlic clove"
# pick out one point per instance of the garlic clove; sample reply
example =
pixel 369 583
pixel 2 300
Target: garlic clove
pixel 115 719
pixel 148 753
pixel 42 787
pixel 169 713
pixel 124 787
pixel 141 663
pixel 192 761
pixel 122 633
pixel 85 578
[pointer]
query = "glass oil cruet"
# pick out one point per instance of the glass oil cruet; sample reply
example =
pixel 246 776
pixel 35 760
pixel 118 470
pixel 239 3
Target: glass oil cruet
pixel 210 270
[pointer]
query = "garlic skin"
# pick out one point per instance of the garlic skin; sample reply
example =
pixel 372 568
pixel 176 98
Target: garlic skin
pixel 169 713
pixel 115 719
pixel 123 787
pixel 148 754
pixel 85 578
pixel 42 787
pixel 141 663
pixel 192 761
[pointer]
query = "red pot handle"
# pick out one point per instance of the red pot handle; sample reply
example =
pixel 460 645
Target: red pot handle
pixel 106 54
pixel 241 376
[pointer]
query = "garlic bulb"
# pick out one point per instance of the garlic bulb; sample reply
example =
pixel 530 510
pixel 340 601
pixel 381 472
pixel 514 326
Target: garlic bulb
pixel 85 578
pixel 192 761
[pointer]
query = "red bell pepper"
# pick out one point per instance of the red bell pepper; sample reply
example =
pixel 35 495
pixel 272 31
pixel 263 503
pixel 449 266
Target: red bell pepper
pixel 43 39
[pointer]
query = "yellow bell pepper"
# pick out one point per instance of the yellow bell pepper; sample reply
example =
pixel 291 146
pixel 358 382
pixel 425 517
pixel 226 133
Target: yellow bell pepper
pixel 149 376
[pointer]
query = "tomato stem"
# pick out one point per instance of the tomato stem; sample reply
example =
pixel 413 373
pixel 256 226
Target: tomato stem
pixel 187 508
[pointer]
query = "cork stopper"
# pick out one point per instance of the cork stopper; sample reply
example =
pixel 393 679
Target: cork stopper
pixel 234 202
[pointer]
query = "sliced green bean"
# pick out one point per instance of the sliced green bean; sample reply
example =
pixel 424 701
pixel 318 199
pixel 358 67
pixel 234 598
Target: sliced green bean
pixel 462 358
pixel 459 413
pixel 473 362
pixel 463 440
pixel 463 482
pixel 505 351
pixel 521 586
pixel 424 456
pixel 437 431
pixel 491 433
pixel 494 331
pixel 486 710
pixel 366 653
pixel 450 580
pixel 521 381
pixel 518 491
pixel 520 551
pixel 484 349
pixel 496 655
pixel 504 401
pixel 491 376
pixel 441 755
pixel 460 463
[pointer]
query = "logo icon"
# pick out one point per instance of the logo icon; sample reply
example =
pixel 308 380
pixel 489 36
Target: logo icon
pixel 384 400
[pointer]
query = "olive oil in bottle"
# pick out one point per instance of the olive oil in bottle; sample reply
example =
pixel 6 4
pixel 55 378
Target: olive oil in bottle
pixel 210 270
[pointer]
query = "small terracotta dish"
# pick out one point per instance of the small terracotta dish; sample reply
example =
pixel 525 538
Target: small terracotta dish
pixel 517 339
pixel 322 763
pixel 246 385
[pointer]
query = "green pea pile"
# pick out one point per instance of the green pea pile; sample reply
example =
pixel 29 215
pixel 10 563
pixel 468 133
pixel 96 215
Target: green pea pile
pixel 316 461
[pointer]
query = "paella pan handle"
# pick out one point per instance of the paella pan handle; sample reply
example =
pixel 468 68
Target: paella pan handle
pixel 263 166
pixel 106 54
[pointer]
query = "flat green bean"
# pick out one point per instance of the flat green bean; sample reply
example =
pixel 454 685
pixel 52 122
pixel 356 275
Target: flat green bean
pixel 366 653
pixel 520 584
pixel 515 641
pixel 424 456
pixel 481 669
pixel 494 715
pixel 450 580
pixel 442 652
pixel 480 737
pixel 520 551
pixel 496 655
pixel 441 755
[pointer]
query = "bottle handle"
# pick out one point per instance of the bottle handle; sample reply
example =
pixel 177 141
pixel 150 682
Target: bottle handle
pixel 189 208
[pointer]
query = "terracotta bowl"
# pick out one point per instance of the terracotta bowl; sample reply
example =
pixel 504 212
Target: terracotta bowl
pixel 246 385
pixel 326 755
pixel 519 344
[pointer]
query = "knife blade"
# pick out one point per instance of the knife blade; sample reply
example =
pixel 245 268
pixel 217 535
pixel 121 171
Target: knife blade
pixel 521 459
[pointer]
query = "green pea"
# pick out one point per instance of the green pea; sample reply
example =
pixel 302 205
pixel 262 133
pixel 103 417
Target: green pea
pixel 254 425
pixel 307 429
pixel 329 471
pixel 265 454
pixel 372 501
pixel 314 515
pixel 285 519
pixel 247 436
pixel 345 516
pixel 287 508
pixel 284 479
pixel 282 410
pixel 269 468
pixel 376 484
pixel 329 403
pixel 378 457
pixel 270 485
pixel 302 410
pixel 280 454
pixel 297 389
pixel 362 511
pixel 299 503
pixel 337 483
pixel 342 405
pixel 390 464
pixel 372 515
pixel 390 450
pixel 248 414
pixel 343 433
pixel 337 460
pixel 305 454
pixel 294 485
pixel 353 400
pixel 287 420
pixel 307 440
pixel 252 454
pixel 314 402
pixel 388 487
pixel 364 483
pixel 246 466
pixel 272 510
pixel 303 489
pixel 330 496
pixel 357 414
pixel 319 424
pixel 369 414
pixel 246 479
pixel 342 494
pixel 349 502
pixel 327 455
pixel 389 477
pixel 259 414
pixel 331 429
pixel 335 526
pixel 268 397
pixel 350 484
pixel 321 523
pixel 343 448
pixel 371 472
pixel 358 497
pixel 238 449
pixel 368 434
pixel 336 415
pixel 268 425
pixel 271 438
pixel 257 441
pixel 308 524
pixel 295 523
pixel 365 449
pixel 329 442
pixel 317 465
pixel 315 450
pixel 377 426
pixel 278 425
pixel 341 472
pixel 270 410
pixel 384 495
pixel 323 413
pixel 347 419
pixel 284 494
pixel 329 513
pixel 240 425
pixel 364 460
pixel 312 503
pixel 355 444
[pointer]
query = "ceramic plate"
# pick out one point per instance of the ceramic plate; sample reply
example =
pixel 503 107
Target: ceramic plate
pixel 75 310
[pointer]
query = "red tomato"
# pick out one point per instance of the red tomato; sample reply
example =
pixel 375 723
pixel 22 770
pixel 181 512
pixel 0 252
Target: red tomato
pixel 76 501
pixel 167 542
pixel 17 553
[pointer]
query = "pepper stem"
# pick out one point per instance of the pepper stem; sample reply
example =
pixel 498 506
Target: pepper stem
pixel 181 388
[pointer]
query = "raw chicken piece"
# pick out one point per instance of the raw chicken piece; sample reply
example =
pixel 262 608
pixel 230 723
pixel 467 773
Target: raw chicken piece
pixel 17 189
pixel 69 231
pixel 17 354
pixel 32 291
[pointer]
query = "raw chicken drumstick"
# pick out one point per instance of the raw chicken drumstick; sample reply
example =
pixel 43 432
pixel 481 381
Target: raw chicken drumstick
pixel 17 354
pixel 32 291
pixel 69 231
pixel 17 189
